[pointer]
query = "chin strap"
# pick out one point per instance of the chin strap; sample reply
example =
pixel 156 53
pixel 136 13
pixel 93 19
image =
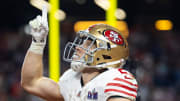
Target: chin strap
pixel 79 66
pixel 122 61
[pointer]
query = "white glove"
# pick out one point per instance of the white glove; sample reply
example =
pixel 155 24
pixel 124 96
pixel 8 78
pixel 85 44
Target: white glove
pixel 39 31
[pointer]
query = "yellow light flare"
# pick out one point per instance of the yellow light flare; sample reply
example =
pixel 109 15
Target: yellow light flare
pixel 164 25
pixel 83 25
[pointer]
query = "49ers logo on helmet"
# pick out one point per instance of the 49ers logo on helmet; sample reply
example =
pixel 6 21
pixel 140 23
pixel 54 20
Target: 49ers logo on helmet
pixel 114 37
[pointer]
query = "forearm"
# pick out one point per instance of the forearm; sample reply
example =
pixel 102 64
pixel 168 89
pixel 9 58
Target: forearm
pixel 32 68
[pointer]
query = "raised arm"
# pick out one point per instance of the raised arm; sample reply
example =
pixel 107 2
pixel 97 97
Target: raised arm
pixel 32 79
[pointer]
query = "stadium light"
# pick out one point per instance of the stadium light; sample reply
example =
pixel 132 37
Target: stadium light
pixel 60 15
pixel 120 14
pixel 164 25
pixel 104 4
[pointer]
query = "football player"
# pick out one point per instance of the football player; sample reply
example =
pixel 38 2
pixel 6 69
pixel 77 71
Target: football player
pixel 97 56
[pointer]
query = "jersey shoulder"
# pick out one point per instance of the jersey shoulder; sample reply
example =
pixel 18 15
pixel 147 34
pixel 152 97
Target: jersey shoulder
pixel 122 83
pixel 66 81
pixel 119 73
pixel 69 75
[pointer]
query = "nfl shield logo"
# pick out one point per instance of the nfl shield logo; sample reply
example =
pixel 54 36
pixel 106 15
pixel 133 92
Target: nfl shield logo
pixel 92 95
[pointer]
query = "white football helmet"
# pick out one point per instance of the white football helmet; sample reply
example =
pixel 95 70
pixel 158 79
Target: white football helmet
pixel 111 48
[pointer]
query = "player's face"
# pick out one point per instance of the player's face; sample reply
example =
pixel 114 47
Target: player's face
pixel 80 51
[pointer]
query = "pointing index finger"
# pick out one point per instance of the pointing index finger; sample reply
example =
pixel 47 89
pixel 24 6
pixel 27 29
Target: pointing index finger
pixel 44 14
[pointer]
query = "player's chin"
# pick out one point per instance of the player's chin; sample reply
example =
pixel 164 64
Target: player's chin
pixel 76 58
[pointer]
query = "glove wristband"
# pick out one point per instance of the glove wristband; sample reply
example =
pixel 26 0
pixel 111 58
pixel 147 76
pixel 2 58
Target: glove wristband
pixel 37 47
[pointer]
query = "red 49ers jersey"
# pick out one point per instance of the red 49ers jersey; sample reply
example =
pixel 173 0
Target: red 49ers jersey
pixel 113 82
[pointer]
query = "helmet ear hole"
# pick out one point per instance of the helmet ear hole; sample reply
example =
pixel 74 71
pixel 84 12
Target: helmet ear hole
pixel 108 46
pixel 106 57
pixel 98 59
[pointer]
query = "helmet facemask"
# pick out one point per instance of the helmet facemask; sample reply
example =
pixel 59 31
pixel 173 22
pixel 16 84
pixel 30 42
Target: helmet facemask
pixel 70 52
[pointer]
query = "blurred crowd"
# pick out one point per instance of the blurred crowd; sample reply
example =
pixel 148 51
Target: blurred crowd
pixel 157 53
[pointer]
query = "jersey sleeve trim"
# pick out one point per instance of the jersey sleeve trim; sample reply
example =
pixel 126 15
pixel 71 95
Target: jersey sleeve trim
pixel 119 91
pixel 125 81
pixel 122 86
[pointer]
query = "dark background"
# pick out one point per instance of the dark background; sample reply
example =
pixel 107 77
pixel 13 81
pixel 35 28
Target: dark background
pixel 15 13
pixel 157 52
